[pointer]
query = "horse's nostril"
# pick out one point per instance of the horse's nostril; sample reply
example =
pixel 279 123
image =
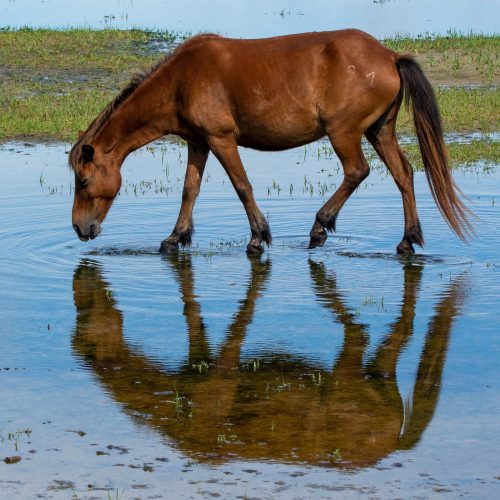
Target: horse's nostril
pixel 77 230
pixel 95 229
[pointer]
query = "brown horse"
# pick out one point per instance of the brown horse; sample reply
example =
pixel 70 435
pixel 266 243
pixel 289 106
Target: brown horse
pixel 269 94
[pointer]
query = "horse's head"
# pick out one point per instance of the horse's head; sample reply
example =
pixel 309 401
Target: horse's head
pixel 97 182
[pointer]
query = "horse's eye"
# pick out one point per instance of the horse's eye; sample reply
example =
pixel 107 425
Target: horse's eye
pixel 84 183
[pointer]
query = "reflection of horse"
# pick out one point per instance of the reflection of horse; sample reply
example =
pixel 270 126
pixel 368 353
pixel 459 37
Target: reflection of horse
pixel 284 408
pixel 269 94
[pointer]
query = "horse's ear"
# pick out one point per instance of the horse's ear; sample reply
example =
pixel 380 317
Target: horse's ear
pixel 80 134
pixel 87 152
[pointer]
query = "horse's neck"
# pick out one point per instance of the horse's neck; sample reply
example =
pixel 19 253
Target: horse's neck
pixel 146 115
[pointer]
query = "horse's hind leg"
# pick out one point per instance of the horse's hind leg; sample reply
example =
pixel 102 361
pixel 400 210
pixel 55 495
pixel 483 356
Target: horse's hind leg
pixel 183 229
pixel 383 139
pixel 226 151
pixel 356 169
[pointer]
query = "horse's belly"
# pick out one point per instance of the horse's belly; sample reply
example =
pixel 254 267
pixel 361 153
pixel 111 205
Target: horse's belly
pixel 275 135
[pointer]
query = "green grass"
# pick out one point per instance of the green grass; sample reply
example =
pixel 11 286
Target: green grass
pixel 80 50
pixel 53 83
pixel 457 57
pixel 49 116
pixel 462 110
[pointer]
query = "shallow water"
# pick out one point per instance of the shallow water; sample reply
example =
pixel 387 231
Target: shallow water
pixel 340 371
pixel 259 18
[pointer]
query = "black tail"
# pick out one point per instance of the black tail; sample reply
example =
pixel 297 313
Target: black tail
pixel 418 93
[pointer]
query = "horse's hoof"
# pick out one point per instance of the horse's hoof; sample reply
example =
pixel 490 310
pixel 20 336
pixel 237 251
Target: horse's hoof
pixel 169 246
pixel 405 248
pixel 255 249
pixel 317 240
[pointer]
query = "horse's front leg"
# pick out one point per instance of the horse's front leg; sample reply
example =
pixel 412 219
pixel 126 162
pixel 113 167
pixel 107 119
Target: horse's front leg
pixel 226 151
pixel 183 229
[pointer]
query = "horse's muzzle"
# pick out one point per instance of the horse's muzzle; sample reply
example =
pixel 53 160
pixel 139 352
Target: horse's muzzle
pixel 93 232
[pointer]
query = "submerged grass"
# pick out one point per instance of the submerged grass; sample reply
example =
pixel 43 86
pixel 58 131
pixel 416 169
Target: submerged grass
pixel 53 83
